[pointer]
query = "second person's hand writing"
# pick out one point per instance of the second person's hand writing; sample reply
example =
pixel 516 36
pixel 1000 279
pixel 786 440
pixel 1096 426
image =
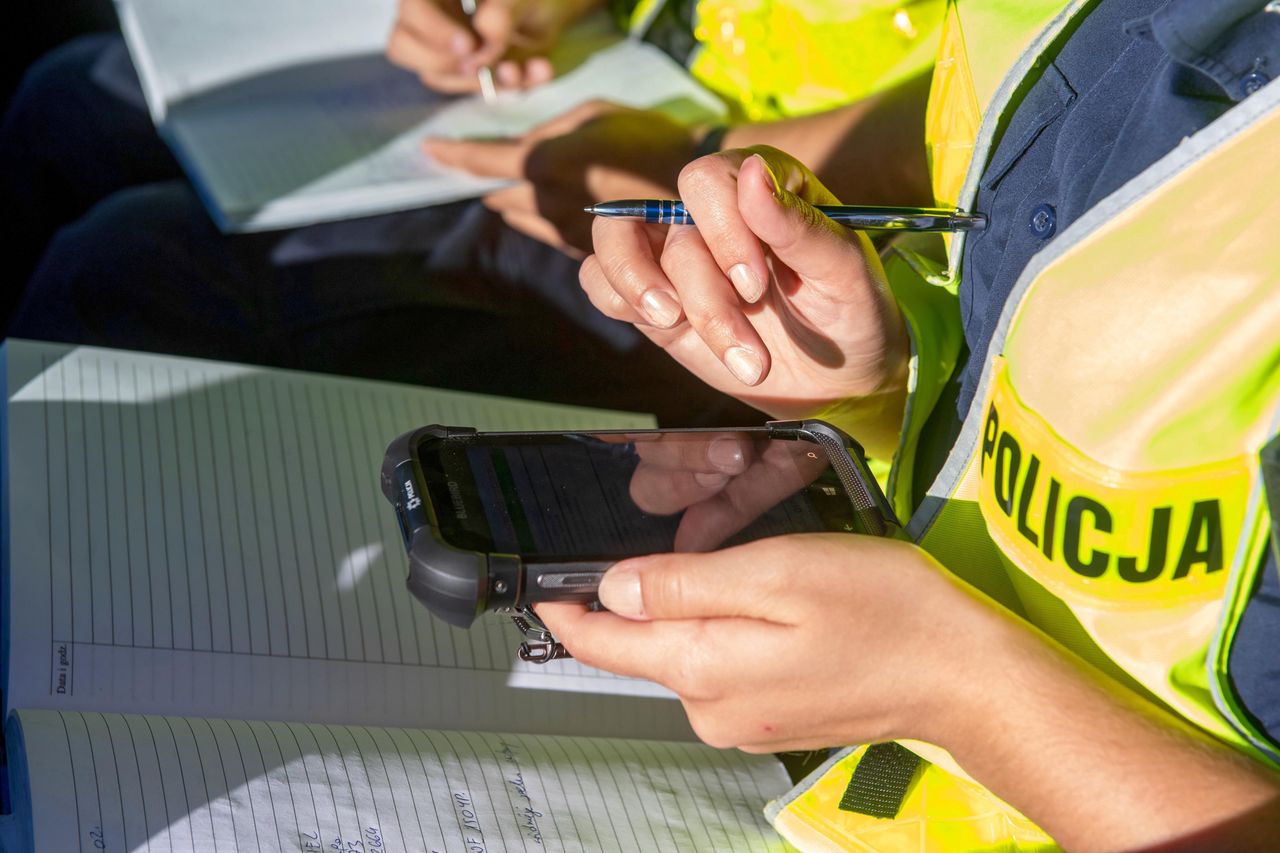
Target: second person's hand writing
pixel 446 48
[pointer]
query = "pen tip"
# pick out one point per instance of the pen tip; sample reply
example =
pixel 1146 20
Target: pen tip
pixel 591 208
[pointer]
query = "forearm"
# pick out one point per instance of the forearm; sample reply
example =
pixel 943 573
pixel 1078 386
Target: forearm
pixel 869 152
pixel 1099 767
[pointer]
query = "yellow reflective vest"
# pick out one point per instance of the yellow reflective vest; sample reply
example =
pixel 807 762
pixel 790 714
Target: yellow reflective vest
pixel 1109 492
pixel 771 59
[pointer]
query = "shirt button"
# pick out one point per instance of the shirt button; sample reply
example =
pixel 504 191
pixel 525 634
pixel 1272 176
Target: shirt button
pixel 1043 222
pixel 1252 82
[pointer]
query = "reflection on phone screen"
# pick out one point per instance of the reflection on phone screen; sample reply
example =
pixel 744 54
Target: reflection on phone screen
pixel 606 496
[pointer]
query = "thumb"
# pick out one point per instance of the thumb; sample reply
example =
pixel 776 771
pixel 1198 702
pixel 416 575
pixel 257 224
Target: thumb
pixel 812 245
pixel 717 584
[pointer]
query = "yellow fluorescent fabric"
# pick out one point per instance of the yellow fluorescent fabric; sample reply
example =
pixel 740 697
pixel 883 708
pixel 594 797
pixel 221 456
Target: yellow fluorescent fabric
pixel 1140 369
pixel 1114 538
pixel 1172 374
pixel 1178 365
pixel 962 89
pixel 953 115
pixel 775 59
pixel 941 812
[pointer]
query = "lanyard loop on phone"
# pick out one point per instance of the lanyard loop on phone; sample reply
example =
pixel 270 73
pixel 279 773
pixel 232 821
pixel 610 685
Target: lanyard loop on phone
pixel 545 647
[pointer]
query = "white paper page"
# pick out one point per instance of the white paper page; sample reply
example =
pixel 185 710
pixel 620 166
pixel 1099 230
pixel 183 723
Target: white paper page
pixel 345 138
pixel 199 538
pixel 165 783
pixel 182 47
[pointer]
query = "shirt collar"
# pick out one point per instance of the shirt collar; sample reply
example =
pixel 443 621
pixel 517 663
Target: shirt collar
pixel 1235 43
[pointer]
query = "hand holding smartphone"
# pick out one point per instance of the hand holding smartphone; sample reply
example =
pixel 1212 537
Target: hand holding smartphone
pixel 502 520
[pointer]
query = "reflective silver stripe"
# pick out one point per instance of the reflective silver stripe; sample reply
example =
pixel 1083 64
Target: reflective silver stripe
pixel 986 139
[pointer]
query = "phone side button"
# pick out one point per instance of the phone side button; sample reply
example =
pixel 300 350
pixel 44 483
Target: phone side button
pixel 569 580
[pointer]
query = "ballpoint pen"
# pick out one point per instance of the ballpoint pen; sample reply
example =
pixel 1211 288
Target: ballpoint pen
pixel 485 74
pixel 861 217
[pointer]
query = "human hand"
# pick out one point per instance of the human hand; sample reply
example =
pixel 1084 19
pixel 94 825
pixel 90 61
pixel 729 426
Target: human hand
pixel 594 152
pixel 435 40
pixel 800 641
pixel 764 299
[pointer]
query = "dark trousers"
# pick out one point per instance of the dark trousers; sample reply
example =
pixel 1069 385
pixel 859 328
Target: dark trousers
pixel 115 249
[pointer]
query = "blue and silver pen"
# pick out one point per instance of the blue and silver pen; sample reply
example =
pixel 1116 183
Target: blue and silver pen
pixel 861 217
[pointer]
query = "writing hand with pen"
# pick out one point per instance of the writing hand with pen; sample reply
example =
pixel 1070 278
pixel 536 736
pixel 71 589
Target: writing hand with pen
pixel 447 46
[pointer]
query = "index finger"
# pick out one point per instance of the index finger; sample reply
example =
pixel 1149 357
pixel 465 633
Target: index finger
pixel 625 255
pixel 442 27
pixel 709 189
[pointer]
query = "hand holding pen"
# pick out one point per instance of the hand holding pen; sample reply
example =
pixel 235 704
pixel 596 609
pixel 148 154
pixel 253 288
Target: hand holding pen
pixel 462 46
pixel 764 300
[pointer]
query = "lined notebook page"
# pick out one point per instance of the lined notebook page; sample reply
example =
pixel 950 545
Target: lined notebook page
pixel 197 538
pixel 115 782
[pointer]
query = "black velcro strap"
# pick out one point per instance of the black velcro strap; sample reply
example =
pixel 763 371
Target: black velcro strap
pixel 880 780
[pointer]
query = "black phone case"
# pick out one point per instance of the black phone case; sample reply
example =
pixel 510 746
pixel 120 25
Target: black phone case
pixel 457 585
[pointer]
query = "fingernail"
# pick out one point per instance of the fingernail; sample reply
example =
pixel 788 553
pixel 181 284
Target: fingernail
pixel 744 364
pixel 709 479
pixel 508 73
pixel 766 175
pixel 620 592
pixel 660 307
pixel 726 454
pixel 460 44
pixel 749 285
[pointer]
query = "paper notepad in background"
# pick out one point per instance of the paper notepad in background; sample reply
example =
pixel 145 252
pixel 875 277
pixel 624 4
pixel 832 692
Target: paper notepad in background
pixel 285 112
pixel 207 643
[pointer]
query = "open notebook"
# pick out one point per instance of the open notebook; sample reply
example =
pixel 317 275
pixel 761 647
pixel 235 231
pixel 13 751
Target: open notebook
pixel 207 643
pixel 285 112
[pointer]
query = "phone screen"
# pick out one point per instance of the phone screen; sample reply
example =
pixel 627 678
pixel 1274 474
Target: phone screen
pixel 585 496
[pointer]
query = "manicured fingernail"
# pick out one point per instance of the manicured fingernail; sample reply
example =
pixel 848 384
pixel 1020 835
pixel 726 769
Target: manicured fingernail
pixel 726 454
pixel 766 175
pixel 710 479
pixel 748 283
pixel 744 364
pixel 660 307
pixel 620 592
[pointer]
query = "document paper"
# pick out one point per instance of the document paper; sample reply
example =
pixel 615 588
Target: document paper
pixel 189 537
pixel 286 113
pixel 113 782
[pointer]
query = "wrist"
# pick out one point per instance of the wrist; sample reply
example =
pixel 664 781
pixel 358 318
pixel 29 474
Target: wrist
pixel 875 417
pixel 994 661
